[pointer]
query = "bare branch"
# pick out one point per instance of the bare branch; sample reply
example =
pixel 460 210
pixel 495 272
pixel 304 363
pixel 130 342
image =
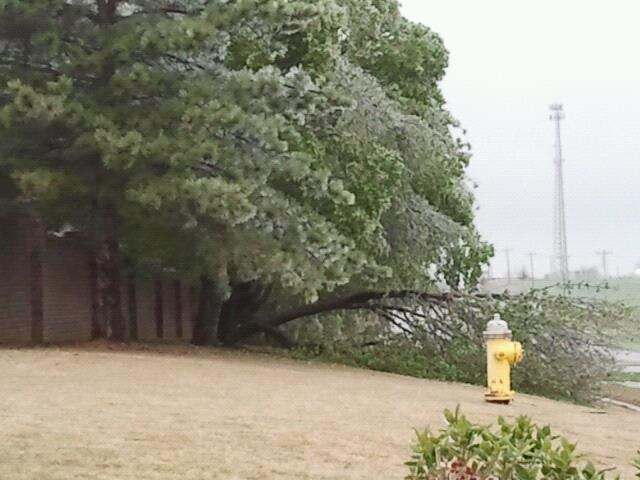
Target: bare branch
pixel 393 321
pixel 357 300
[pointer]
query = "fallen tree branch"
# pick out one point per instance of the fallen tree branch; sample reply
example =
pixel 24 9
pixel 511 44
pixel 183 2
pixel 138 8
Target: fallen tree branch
pixel 359 300
pixel 394 321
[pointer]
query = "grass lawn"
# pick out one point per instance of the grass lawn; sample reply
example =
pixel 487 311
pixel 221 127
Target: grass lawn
pixel 201 414
pixel 626 376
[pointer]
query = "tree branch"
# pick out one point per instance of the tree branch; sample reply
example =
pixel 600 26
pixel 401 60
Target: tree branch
pixel 38 68
pixel 177 10
pixel 390 318
pixel 354 301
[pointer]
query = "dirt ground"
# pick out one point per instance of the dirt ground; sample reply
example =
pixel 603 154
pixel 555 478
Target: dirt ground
pixel 91 413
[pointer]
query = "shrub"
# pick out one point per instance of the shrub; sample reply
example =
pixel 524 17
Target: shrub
pixel 514 451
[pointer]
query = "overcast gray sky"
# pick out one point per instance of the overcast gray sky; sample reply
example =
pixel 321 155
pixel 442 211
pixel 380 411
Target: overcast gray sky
pixel 509 60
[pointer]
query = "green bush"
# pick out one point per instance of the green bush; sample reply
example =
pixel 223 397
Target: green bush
pixel 514 451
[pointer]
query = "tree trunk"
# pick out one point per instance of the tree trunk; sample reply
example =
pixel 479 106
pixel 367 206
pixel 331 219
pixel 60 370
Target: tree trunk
pixel 108 277
pixel 107 11
pixel 132 307
pixel 205 326
pixel 266 323
pixel 244 302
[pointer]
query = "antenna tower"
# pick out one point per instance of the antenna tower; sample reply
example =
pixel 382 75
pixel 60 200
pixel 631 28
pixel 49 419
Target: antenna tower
pixel 560 260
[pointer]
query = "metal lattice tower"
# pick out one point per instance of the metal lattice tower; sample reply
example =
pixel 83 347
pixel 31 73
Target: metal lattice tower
pixel 560 260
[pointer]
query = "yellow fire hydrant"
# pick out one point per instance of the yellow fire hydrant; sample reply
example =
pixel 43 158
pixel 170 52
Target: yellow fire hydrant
pixel 501 354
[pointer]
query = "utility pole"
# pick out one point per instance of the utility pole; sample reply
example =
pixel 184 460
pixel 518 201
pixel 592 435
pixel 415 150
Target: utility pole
pixel 533 278
pixel 506 251
pixel 560 256
pixel 604 254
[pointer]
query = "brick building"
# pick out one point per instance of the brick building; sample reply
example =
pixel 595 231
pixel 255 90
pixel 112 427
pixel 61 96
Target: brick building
pixel 48 285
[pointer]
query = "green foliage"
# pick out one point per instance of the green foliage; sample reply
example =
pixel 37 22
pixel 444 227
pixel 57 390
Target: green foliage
pixel 520 450
pixel 301 143
pixel 564 338
pixel 408 58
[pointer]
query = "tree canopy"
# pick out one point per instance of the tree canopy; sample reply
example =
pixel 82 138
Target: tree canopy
pixel 302 146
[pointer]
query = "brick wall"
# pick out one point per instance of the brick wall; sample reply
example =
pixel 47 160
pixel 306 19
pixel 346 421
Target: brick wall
pixel 145 307
pixel 15 298
pixel 47 292
pixel 163 309
pixel 67 304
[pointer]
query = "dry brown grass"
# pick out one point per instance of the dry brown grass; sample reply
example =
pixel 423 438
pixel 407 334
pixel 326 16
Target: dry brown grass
pixel 180 413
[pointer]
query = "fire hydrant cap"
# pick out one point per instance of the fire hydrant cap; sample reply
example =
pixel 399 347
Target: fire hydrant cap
pixel 497 328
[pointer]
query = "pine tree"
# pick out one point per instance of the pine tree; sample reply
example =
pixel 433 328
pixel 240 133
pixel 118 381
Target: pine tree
pixel 292 145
